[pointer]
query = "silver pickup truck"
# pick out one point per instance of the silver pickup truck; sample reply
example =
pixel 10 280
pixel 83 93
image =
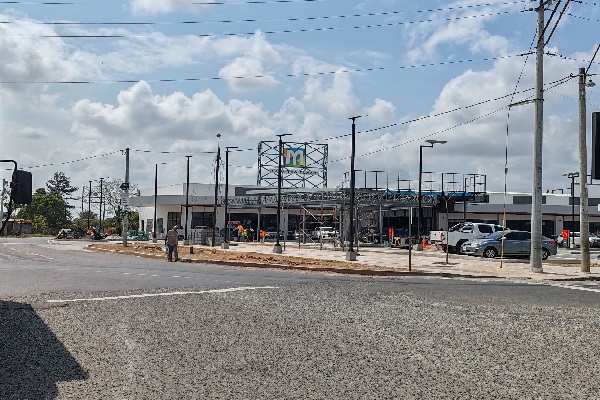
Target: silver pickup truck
pixel 462 233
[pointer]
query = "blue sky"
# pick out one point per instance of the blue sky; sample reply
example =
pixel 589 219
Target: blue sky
pixel 164 77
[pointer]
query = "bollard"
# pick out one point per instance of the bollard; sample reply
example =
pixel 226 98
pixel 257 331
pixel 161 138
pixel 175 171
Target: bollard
pixel 191 249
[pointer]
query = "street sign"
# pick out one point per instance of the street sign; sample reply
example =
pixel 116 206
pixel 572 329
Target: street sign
pixel 125 199
pixel 124 186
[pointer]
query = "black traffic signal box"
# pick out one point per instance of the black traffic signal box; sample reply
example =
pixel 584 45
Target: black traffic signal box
pixel 21 187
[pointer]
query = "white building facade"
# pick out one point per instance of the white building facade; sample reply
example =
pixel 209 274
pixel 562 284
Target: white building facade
pixel 559 211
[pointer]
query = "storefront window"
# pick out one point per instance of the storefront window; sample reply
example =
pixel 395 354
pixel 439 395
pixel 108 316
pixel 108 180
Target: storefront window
pixel 173 218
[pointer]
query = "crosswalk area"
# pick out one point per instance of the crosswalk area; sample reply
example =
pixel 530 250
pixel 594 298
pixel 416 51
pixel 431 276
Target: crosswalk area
pixel 586 286
pixel 582 285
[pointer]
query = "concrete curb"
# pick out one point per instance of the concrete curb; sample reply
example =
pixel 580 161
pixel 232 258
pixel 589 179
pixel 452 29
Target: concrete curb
pixel 306 268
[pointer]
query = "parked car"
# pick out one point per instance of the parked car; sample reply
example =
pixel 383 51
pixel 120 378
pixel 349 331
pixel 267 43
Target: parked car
pixel 324 232
pixel 65 234
pixel 575 237
pixel 516 243
pixel 594 240
pixel 272 233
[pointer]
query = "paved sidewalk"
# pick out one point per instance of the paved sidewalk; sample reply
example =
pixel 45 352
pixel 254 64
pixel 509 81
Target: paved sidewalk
pixel 433 261
pixel 384 260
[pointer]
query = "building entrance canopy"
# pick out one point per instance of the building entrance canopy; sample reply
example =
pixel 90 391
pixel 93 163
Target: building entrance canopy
pixel 365 197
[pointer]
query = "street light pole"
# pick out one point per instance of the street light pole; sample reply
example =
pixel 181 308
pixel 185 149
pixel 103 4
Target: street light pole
pixel 89 206
pixel 225 244
pixel 277 248
pixel 380 222
pixel 464 202
pixel 155 201
pixel 214 227
pixel 431 143
pixel 100 227
pixel 572 176
pixel 187 204
pixel 351 254
pixel 155 198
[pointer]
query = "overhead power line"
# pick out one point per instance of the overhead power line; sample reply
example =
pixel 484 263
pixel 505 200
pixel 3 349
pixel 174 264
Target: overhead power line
pixel 174 152
pixel 74 161
pixel 344 71
pixel 584 18
pixel 269 32
pixel 554 84
pixel 158 23
pixel 557 21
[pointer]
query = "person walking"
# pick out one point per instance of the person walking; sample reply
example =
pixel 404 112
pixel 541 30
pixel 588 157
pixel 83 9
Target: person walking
pixel 172 240
pixel 240 229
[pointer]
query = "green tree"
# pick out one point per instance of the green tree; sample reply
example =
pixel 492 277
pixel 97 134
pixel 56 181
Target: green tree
pixel 60 185
pixel 82 220
pixel 112 195
pixel 51 207
pixel 39 225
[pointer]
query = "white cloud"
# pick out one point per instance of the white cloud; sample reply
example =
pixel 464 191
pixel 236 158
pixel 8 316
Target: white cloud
pixel 163 6
pixel 257 52
pixel 335 98
pixel 381 110
pixel 173 117
pixel 29 57
pixel 459 25
pixel 246 74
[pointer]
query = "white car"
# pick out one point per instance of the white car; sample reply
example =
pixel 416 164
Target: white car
pixel 575 237
pixel 324 232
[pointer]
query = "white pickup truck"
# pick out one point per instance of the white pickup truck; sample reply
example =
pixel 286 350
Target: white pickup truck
pixel 462 233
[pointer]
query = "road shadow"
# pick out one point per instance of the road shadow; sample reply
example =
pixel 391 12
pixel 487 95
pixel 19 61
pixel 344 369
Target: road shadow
pixel 32 359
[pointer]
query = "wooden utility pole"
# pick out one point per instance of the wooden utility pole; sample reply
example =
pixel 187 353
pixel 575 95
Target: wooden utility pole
pixel 126 190
pixel 214 228
pixel 536 192
pixel 584 226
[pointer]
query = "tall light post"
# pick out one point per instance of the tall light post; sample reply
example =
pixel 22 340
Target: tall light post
pixel 155 201
pixel 380 222
pixel 430 142
pixel 465 195
pixel 351 254
pixel 89 206
pixel 277 247
pixel 187 204
pixel 225 244
pixel 100 227
pixel 218 164
pixel 572 176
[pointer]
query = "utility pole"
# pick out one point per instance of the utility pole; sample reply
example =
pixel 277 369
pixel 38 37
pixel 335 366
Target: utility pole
pixel 2 202
pixel 584 225
pixel 186 241
pixel 351 254
pixel 536 193
pixel 212 243
pixel 155 201
pixel 89 206
pixel 277 248
pixel 126 215
pixel 225 244
pixel 100 208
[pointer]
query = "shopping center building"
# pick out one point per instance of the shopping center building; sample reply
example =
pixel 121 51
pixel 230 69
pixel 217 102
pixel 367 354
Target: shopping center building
pixel 377 209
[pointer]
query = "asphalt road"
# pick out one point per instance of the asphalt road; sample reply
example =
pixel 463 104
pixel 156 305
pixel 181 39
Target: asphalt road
pixel 101 326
